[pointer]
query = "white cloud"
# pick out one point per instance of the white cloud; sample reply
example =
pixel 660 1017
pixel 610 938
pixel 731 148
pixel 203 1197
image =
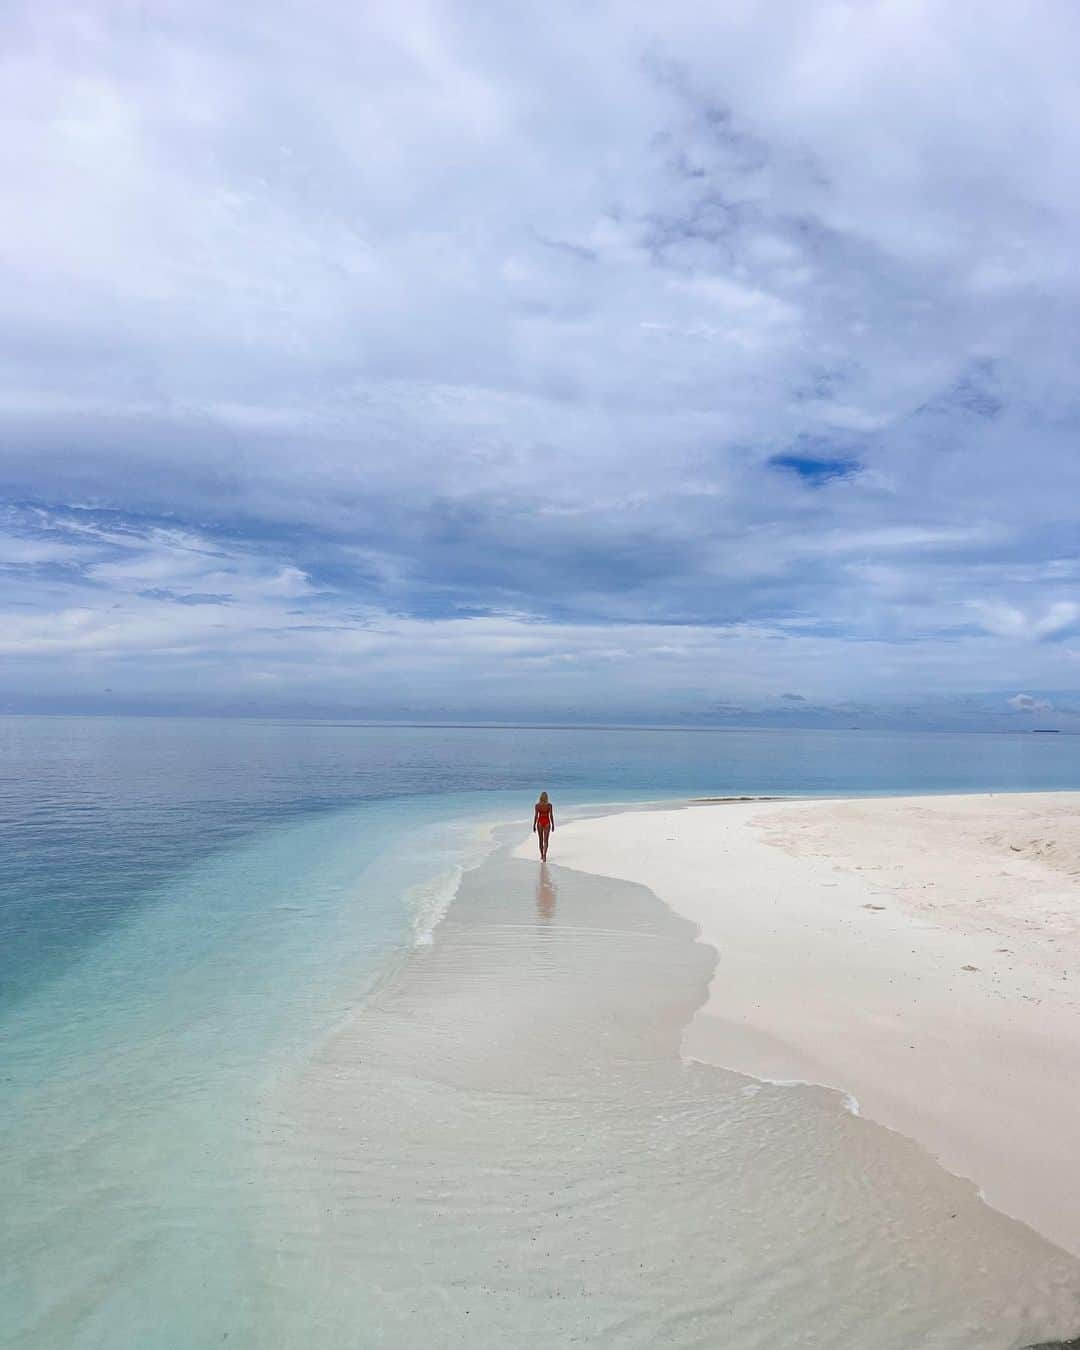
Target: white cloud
pixel 1024 703
pixel 1012 621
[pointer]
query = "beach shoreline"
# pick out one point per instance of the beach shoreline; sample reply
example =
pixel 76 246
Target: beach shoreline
pixel 509 1118
pixel 912 953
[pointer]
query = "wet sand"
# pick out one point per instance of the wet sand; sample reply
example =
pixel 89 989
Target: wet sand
pixel 505 1148
pixel 916 953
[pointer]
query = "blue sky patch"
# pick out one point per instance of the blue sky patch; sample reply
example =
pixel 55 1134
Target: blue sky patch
pixel 816 470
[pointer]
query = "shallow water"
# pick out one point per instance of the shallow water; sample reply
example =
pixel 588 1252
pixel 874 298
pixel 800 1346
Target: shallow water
pixel 128 1076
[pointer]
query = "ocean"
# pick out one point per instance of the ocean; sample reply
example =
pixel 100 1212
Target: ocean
pixel 232 952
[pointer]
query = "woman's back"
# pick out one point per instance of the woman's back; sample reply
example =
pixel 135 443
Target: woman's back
pixel 543 822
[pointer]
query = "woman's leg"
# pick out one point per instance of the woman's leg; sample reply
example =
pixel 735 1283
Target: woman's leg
pixel 545 831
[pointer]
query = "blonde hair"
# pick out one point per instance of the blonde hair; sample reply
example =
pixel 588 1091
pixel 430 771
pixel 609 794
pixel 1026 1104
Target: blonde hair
pixel 543 798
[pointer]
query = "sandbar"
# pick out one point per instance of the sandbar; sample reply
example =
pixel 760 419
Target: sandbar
pixel 917 954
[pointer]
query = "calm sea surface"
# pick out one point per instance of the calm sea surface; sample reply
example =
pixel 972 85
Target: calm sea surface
pixel 188 908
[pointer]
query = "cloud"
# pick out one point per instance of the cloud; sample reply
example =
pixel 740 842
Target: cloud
pixel 1011 621
pixel 233 626
pixel 1024 703
pixel 431 316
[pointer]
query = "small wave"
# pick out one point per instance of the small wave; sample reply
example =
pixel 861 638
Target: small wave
pixel 429 900
pixel 848 1100
pixel 429 903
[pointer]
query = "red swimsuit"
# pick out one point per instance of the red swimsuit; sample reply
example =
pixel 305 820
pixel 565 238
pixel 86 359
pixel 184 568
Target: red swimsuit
pixel 543 817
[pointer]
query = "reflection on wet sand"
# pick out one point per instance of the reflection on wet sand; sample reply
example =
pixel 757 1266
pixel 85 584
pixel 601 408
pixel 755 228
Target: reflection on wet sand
pixel 546 893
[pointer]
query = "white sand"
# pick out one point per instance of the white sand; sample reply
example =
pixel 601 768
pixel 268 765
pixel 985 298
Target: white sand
pixel 916 953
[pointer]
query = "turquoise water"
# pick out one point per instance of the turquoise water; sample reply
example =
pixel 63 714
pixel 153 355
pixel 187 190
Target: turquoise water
pixel 189 908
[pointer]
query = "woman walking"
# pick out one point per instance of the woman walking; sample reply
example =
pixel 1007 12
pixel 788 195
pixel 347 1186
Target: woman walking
pixel 543 823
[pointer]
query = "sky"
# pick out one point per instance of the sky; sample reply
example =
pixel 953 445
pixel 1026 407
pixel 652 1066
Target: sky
pixel 682 363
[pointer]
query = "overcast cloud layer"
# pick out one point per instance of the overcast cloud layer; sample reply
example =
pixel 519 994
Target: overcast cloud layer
pixel 682 362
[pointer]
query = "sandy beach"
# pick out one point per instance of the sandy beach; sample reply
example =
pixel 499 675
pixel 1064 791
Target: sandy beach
pixel 915 953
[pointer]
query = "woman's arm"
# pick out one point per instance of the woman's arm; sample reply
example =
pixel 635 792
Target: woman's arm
pixel 536 817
